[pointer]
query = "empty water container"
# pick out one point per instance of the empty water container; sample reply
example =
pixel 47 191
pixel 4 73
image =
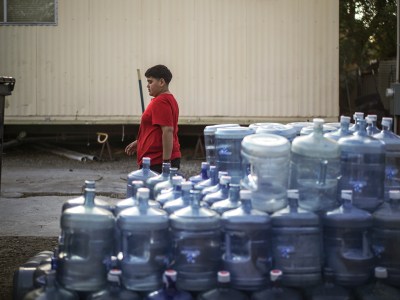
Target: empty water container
pixel 378 290
pixel 88 242
pixel 371 125
pixel 212 180
pixel 362 163
pixel 296 244
pixel 342 131
pixel 174 193
pixel 142 174
pixel 231 202
pixel 315 169
pixel 223 291
pixel 209 141
pixel 386 237
pixel 247 254
pixel 347 244
pixel 357 117
pixel 392 158
pixel 286 131
pixel 81 199
pixel 196 240
pixel 51 291
pixel 145 243
pixel 213 188
pixel 205 168
pixel 165 186
pixel 329 290
pixel 114 290
pixel 169 290
pixel 164 176
pixel 228 145
pixel 276 291
pixel 269 159
pixel 221 194
pixel 182 201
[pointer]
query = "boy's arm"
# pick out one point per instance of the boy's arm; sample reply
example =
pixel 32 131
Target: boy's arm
pixel 167 141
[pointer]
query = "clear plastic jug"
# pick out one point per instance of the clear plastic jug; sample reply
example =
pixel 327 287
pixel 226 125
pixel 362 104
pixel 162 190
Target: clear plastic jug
pixel 220 194
pixel 269 157
pixel 371 125
pixel 196 240
pixel 165 186
pixel 142 174
pixel 88 235
pixel 342 131
pixel 315 170
pixel 174 193
pixel 212 180
pixel 357 117
pixel 247 254
pixel 362 163
pixel 145 244
pixel 205 169
pixel 296 244
pixel 231 202
pixel 164 176
pixel 213 188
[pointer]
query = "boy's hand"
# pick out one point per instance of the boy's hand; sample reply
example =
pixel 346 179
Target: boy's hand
pixel 131 148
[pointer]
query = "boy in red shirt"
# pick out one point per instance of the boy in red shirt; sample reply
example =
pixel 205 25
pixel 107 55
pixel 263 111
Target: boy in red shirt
pixel 158 131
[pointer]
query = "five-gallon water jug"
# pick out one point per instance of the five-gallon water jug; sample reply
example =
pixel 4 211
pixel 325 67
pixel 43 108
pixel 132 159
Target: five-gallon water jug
pixel 223 291
pixel 174 193
pixel 231 202
pixel 51 291
pixel 310 129
pixel 169 290
pixel 142 174
pixel 165 186
pixel 228 145
pixel 88 242
pixel 205 169
pixel 314 170
pixel 371 125
pixel 247 254
pixel 182 201
pixel 299 126
pixel 329 290
pixel 378 290
pixel 342 131
pixel 269 159
pixel 386 237
pixel 213 188
pixel 145 243
pixel 357 117
pixel 296 244
pixel 212 180
pixel 286 131
pixel 164 176
pixel 114 290
pixel 347 245
pixel 392 162
pixel 276 291
pixel 221 194
pixel 196 240
pixel 362 163
pixel 209 141
pixel 81 199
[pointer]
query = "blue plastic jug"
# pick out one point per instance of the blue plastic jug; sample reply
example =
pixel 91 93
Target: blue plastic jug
pixel 342 131
pixel 220 194
pixel 142 174
pixel 182 201
pixel 174 193
pixel 357 117
pixel 205 169
pixel 212 180
pixel 231 202
pixel 371 125
pixel 164 176
pixel 165 186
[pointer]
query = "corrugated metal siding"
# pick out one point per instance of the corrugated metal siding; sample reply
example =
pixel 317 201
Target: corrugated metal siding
pixel 252 59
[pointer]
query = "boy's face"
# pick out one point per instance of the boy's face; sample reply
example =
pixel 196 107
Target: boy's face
pixel 155 86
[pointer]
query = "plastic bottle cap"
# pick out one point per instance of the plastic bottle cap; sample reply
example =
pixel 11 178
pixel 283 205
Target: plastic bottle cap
pixel 394 194
pixel 177 180
pixel 372 117
pixel 90 183
pixel 204 164
pixel 225 179
pixel 318 121
pixel 293 194
pixel 114 275
pixel 387 119
pixel 386 122
pixel 90 190
pixel 171 274
pixel 245 195
pixel 344 119
pixel 381 272
pixel 346 194
pixel 187 185
pixel 137 183
pixel 222 173
pixel 358 115
pixel 224 276
pixel 146 160
pixel 143 192
pixel 275 274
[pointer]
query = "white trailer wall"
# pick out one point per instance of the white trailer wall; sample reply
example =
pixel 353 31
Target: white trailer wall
pixel 241 60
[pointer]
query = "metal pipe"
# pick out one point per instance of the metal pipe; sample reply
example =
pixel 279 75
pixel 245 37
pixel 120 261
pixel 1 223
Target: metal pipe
pixel 65 152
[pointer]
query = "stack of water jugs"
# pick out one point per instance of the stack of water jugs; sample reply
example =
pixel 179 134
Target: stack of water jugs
pixel 296 211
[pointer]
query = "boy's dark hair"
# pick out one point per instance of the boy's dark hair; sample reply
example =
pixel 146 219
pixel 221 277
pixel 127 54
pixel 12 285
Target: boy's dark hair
pixel 159 71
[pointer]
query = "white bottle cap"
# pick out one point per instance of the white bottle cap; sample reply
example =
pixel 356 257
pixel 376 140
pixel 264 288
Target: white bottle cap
pixel 358 115
pixel 171 274
pixel 204 164
pixel 245 195
pixel 344 119
pixel 114 275
pixel 90 183
pixel 293 194
pixel 347 194
pixel 177 180
pixel 381 272
pixel 386 122
pixel 275 274
pixel 372 117
pixel 137 183
pixel 187 185
pixel 143 193
pixel 394 194
pixel 146 160
pixel 225 179
pixel 224 276
pixel 318 122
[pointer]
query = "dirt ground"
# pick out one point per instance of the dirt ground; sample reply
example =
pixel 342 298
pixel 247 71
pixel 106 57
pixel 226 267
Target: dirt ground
pixel 15 250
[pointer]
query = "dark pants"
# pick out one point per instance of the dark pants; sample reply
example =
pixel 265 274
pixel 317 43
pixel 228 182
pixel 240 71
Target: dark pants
pixel 175 163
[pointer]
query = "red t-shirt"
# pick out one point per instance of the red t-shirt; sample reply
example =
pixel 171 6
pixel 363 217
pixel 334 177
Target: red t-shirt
pixel 162 110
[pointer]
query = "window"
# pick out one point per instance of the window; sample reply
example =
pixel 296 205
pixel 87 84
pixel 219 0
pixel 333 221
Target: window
pixel 28 12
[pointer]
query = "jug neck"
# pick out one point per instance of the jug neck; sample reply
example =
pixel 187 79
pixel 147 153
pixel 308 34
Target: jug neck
pixel 205 168
pixel 293 205
pixel 166 169
pixel 246 205
pixel 186 196
pixel 234 191
pixel 361 130
pixel 195 200
pixel 89 197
